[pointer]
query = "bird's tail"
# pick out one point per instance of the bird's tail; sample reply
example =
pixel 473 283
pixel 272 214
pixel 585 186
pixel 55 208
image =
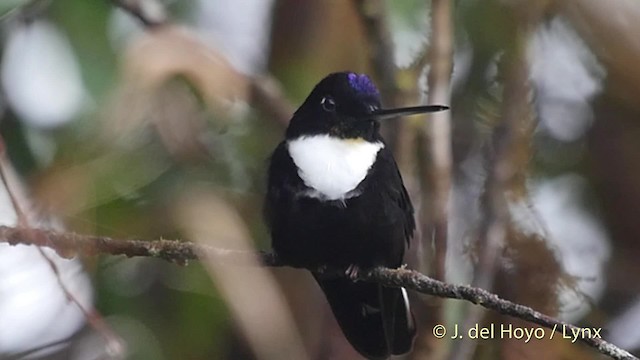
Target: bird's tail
pixel 376 320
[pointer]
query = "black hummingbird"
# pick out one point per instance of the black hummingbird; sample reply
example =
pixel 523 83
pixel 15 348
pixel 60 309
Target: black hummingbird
pixel 335 197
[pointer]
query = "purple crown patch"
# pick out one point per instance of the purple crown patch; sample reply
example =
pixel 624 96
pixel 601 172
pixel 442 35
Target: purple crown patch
pixel 362 84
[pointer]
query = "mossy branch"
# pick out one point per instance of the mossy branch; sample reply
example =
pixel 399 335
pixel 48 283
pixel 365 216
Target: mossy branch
pixel 69 244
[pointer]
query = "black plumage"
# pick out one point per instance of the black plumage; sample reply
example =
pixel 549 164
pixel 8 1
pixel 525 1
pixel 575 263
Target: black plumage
pixel 366 226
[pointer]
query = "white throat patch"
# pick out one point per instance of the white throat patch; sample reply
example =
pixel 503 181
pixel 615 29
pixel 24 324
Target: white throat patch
pixel 331 166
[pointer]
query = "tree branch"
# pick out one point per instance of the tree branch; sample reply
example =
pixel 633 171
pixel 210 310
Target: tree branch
pixel 438 129
pixel 69 244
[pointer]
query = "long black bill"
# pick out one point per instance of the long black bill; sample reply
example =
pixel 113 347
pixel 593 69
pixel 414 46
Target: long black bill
pixel 383 114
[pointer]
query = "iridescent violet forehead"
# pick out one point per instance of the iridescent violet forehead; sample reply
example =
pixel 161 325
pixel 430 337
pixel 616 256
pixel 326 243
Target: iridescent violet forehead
pixel 362 84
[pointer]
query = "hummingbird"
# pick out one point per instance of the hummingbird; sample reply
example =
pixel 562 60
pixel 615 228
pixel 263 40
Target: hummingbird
pixel 335 197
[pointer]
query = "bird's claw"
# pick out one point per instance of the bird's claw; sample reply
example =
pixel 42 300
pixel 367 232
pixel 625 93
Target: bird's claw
pixel 352 272
pixel 322 269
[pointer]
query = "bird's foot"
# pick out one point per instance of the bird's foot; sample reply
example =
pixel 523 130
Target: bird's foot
pixel 352 272
pixel 322 269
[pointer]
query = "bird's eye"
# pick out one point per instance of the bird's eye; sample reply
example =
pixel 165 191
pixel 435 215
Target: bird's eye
pixel 328 104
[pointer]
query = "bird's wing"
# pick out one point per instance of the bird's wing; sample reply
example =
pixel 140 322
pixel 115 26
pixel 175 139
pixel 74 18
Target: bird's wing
pixel 388 170
pixel 282 183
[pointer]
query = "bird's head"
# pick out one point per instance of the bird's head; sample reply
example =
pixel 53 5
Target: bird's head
pixel 346 105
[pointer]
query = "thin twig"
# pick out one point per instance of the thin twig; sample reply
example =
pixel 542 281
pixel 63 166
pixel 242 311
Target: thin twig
pixel 181 252
pixel 149 12
pixel 114 344
pixel 30 353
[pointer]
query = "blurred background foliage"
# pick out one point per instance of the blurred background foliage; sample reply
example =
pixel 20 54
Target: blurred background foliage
pixel 163 128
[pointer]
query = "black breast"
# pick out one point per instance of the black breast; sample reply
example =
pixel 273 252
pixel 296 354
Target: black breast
pixel 367 230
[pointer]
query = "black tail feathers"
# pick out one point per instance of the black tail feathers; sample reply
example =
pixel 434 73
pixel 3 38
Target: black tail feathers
pixel 376 320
